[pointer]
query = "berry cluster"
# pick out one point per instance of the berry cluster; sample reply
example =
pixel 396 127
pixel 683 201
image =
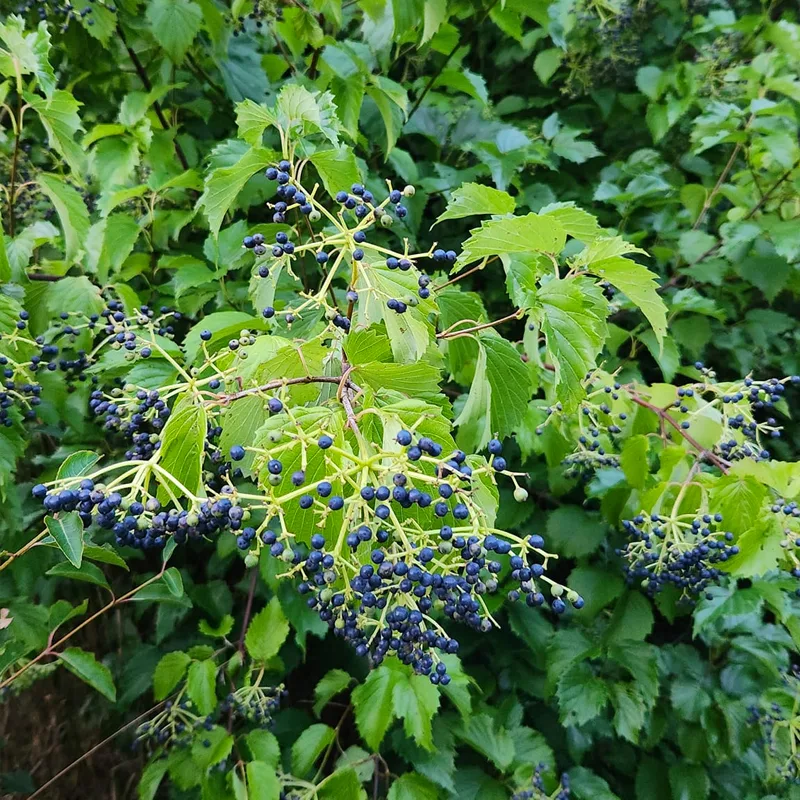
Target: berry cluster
pixel 408 537
pixel 677 550
pixel 255 703
pixel 537 790
pixel 176 725
pixel 62 12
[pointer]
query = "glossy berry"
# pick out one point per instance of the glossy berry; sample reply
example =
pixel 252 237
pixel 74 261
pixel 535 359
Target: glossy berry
pixel 237 452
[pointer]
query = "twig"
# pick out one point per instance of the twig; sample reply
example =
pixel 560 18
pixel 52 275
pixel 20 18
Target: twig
pixel 142 73
pixel 429 85
pixel 40 276
pixel 476 268
pixel 226 399
pixel 664 416
pixel 451 334
pixel 21 552
pixel 94 749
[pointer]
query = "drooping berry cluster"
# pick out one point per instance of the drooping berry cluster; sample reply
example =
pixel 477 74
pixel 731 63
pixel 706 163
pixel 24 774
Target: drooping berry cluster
pixel 538 791
pixel 176 725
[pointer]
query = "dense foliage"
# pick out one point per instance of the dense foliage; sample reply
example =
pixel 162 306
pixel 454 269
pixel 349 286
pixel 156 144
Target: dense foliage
pixel 398 399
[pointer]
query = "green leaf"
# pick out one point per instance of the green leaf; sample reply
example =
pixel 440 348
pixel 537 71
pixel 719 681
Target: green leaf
pixel 639 284
pixel 309 746
pixel 59 116
pixel 67 530
pixel 343 784
pixel 484 735
pixel 336 168
pixel 183 449
pixel 262 782
pixel 572 315
pixel 71 211
pixel 223 629
pixel 391 114
pixel 200 685
pixel 416 700
pixel 689 782
pixel 412 786
pixel 210 748
pixel 76 464
pixel 582 696
pixel 264 747
pixel 29 53
pixel 739 498
pixel 372 701
pixel 474 198
pixel 222 185
pixel 434 15
pixel 575 221
pixel 418 379
pixel 175 23
pixel 331 684
pixel 87 572
pixel 527 234
pixel 5 264
pixel 629 711
pixel 169 673
pixel 152 775
pixel 502 387
pixel 633 461
pixel 267 632
pixel 574 532
pixel 90 671
pixel 598 587
pixel 547 62
pixel 252 120
pixel 301 111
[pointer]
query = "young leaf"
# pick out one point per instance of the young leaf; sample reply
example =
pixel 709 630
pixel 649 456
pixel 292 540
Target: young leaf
pixel 67 530
pixel 252 120
pixel 336 168
pixel 90 671
pixel 169 673
pixel 581 695
pixel 29 52
pixel 267 632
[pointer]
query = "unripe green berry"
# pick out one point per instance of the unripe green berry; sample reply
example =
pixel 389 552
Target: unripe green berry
pixel 387 221
pixel 314 216
pixel 520 494
pixel 274 480
pixel 409 191
pixel 250 560
pixel 556 591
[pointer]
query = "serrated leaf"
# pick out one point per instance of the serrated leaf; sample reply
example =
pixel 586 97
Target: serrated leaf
pixel 372 701
pixel 301 111
pixel 474 198
pixel 547 62
pixel 344 784
pixel 739 498
pixel 435 13
pixel 483 734
pixel 572 315
pixel 262 782
pixel 331 684
pixel 175 23
pixel 183 449
pixel 222 185
pixel 71 211
pixel 28 52
pixel 629 711
pixel 252 120
pixel 67 530
pixel 200 685
pixel 90 671
pixel 169 673
pixel 77 464
pixel 576 222
pixel 689 782
pixel 338 169
pixel 412 786
pixel 59 117
pixel 267 632
pixel 582 696
pixel 639 284
pixel 633 460
pixel 527 234
pixel 309 746
pixel 264 747
pixel 415 699
pixel 152 775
